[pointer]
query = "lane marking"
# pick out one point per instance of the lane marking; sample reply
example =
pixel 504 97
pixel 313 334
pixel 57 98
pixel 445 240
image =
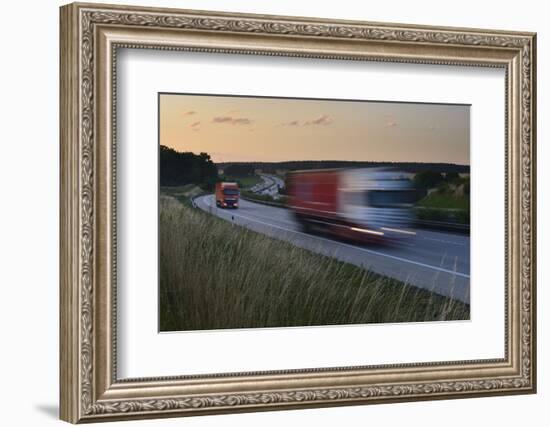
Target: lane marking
pixel 445 241
pixel 395 230
pixel 419 233
pixel 369 251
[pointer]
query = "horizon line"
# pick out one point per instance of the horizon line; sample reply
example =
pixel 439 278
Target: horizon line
pixel 348 161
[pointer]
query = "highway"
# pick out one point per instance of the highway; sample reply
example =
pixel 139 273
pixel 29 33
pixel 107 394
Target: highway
pixel 437 261
pixel 270 185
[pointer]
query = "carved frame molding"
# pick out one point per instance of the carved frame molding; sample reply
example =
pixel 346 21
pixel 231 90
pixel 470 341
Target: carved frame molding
pixel 90 36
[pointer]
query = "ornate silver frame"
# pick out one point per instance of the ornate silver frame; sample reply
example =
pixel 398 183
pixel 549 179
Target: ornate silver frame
pixel 90 36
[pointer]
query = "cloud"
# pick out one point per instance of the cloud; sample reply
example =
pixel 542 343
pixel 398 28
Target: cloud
pixel 188 113
pixel 194 124
pixel 242 121
pixel 323 119
pixel 292 123
pixel 222 119
pixel 232 120
pixel 390 121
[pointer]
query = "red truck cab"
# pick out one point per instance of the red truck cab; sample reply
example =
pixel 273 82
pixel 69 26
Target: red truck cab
pixel 227 195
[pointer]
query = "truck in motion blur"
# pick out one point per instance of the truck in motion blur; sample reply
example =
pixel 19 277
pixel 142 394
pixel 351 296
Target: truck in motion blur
pixel 227 195
pixel 364 204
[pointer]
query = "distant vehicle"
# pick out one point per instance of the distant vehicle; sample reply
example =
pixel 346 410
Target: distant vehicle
pixel 227 195
pixel 366 204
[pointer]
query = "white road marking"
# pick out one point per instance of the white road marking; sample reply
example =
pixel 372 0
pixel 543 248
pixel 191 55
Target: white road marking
pixel 369 251
pixel 444 241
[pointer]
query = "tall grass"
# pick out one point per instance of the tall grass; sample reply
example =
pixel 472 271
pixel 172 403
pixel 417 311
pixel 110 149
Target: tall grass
pixel 215 275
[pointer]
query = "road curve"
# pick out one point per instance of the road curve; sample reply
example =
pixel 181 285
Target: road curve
pixel 431 260
pixel 270 185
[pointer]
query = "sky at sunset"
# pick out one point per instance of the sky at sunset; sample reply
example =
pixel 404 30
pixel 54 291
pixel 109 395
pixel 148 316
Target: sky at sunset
pixel 232 128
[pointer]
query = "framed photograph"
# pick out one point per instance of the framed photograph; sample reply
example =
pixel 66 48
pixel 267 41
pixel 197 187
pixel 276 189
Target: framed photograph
pixel 265 212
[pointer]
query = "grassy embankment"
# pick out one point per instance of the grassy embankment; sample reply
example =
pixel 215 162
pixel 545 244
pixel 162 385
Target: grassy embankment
pixel 450 202
pixel 183 193
pixel 215 275
pixel 267 199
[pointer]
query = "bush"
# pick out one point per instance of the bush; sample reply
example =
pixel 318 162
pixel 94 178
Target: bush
pixel 429 214
pixel 442 187
pixel 467 186
pixel 428 179
pixel 452 177
pixel 462 216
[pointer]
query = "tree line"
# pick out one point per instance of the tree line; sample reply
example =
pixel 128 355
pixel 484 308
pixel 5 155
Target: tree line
pixel 412 167
pixel 180 168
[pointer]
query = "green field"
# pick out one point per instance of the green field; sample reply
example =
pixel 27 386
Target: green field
pixel 450 204
pixel 215 275
pixel 245 181
pixel 438 200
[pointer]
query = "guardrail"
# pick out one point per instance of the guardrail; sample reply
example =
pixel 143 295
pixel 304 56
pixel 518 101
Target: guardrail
pixel 446 219
pixel 267 187
pixel 431 224
pixel 264 202
pixel 196 196
pixel 442 225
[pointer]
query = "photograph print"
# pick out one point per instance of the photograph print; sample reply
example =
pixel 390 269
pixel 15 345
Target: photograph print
pixel 293 212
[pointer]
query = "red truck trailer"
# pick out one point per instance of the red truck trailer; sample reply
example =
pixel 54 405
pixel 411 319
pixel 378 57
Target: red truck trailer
pixel 227 195
pixel 363 204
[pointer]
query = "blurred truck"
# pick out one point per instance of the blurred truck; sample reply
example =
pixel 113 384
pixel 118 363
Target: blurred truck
pixel 227 195
pixel 364 204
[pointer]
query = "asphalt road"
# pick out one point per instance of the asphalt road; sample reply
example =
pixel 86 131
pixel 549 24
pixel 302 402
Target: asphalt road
pixel 270 185
pixel 437 261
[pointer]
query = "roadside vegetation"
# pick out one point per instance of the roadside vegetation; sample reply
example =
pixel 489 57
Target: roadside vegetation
pixel 243 174
pixel 182 193
pixel 183 168
pixel 447 199
pixel 215 275
pixel 264 198
pixel 244 182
